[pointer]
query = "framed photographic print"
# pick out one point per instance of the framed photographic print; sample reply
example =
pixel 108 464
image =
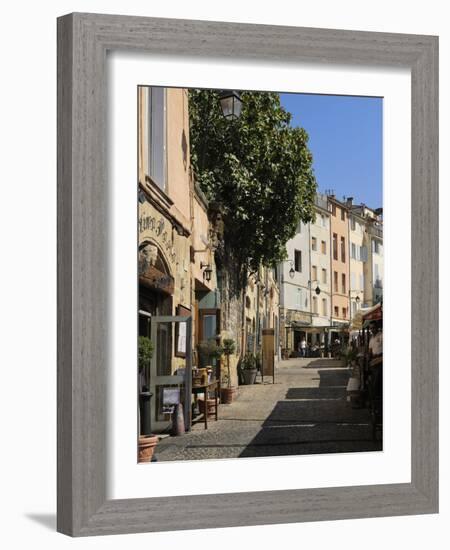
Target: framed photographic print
pixel 247 259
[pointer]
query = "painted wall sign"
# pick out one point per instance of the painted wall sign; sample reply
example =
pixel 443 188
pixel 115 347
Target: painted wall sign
pixel 157 226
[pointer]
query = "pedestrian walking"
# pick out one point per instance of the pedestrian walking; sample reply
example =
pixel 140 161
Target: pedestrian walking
pixel 303 347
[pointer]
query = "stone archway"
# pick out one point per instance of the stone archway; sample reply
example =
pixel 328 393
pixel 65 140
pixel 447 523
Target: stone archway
pixel 154 271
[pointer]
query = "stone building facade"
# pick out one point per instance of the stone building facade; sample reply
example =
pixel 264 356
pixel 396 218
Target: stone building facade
pixel 182 270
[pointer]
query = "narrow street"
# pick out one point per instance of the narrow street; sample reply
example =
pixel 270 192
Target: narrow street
pixel 304 412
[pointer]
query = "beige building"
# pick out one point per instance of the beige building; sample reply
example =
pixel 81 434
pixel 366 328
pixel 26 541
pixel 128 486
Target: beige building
pixel 179 233
pixel 373 259
pixel 177 274
pixel 165 223
pixel 358 257
pixel 339 262
pixel 261 309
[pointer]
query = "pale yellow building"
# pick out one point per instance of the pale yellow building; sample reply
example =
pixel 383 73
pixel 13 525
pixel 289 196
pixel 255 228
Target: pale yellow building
pixel 320 275
pixel 358 257
pixel 177 273
pixel 373 258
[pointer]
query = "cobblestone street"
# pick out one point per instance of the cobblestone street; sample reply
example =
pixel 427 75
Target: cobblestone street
pixel 304 412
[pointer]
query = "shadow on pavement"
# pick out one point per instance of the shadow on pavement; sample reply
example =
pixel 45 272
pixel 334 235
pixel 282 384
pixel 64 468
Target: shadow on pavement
pixel 314 420
pixel 316 393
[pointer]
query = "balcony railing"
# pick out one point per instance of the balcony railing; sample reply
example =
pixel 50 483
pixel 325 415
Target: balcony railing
pixel 376 231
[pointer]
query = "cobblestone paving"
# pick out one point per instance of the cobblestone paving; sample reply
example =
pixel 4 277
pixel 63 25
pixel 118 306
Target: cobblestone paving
pixel 304 412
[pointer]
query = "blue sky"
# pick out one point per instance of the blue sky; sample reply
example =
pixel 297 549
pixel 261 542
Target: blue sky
pixel 345 138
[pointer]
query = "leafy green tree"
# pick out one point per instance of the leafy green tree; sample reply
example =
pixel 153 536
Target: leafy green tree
pixel 258 168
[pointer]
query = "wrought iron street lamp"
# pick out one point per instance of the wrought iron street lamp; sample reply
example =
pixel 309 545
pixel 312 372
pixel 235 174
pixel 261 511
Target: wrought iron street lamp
pixel 231 104
pixel 207 271
pixel 317 289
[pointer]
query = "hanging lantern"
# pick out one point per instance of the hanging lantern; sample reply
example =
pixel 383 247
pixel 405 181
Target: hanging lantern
pixel 231 104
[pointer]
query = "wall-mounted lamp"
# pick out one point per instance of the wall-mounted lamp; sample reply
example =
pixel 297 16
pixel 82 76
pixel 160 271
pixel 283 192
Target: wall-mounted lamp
pixel 317 289
pixel 207 271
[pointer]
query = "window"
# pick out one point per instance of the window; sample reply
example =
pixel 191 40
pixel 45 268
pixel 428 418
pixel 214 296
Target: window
pixel 344 312
pixel 335 246
pixel 343 249
pixel 335 274
pixel 299 298
pixel 376 248
pixel 324 247
pixel 377 275
pixel 324 306
pixel 324 276
pixel 363 253
pixel 343 285
pixel 336 311
pixel 361 281
pixel 354 307
pixel 353 251
pixel 313 243
pixel 333 209
pixel 157 136
pixel 352 224
pixel 314 272
pixel 298 260
pixel 324 220
pixel 315 305
pixel 299 228
pixel 342 214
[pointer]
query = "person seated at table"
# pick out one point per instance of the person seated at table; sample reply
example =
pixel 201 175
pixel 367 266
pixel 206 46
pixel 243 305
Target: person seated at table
pixel 376 343
pixel 376 357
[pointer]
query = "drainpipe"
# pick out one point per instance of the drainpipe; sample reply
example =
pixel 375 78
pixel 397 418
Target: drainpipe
pixel 310 278
pixel 331 284
pixel 243 316
pixel 257 317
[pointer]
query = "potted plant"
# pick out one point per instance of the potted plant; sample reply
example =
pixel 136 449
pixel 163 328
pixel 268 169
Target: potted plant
pixel 147 440
pixel 228 392
pixel 207 351
pixel 249 368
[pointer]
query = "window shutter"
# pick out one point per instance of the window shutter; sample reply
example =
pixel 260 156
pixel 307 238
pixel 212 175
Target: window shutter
pixel 157 135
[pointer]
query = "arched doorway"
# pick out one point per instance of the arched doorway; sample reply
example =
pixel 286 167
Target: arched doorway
pixel 156 321
pixel 156 283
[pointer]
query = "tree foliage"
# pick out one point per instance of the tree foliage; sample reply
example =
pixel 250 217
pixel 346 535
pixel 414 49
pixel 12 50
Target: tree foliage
pixel 258 168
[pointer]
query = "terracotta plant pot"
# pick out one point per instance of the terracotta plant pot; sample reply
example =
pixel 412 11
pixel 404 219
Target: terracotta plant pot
pixel 147 444
pixel 227 395
pixel 211 406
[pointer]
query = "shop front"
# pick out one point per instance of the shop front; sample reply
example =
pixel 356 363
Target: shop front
pixel 164 316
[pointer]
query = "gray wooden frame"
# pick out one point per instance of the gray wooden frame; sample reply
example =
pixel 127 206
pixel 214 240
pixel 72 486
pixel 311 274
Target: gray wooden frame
pixel 83 40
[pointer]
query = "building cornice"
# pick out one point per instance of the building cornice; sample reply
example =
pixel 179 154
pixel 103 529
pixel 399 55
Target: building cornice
pixel 162 202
